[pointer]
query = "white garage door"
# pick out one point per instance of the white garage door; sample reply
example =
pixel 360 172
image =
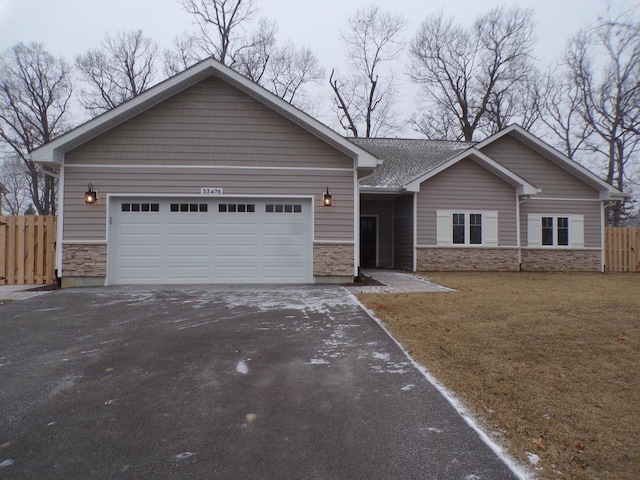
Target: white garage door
pixel 210 241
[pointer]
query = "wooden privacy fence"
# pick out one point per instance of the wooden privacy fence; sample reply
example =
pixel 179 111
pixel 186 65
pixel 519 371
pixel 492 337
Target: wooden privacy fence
pixel 622 249
pixel 27 250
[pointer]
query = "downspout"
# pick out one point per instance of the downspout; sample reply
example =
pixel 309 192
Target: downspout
pixel 356 220
pixel 519 201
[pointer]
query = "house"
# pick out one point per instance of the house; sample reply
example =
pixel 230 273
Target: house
pixel 209 178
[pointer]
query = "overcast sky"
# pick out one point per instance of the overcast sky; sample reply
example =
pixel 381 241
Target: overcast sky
pixel 71 27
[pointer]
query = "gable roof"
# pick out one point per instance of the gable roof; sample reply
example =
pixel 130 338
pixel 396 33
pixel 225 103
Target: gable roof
pixel 406 159
pixel 52 153
pixel 522 186
pixel 607 192
pixel 409 162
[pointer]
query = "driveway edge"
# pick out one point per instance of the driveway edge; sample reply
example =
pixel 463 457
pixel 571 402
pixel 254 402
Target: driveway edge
pixel 517 468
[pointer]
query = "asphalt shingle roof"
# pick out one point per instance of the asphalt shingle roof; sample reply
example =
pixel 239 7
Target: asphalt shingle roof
pixel 405 160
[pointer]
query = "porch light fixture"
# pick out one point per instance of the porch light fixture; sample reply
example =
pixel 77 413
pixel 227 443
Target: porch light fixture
pixel 326 199
pixel 90 196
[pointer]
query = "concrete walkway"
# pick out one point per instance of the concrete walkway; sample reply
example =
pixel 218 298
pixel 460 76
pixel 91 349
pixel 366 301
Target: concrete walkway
pixel 19 292
pixel 394 281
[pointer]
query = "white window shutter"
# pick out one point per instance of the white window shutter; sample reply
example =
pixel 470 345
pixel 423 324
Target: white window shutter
pixel 534 230
pixel 490 229
pixel 576 231
pixel 443 227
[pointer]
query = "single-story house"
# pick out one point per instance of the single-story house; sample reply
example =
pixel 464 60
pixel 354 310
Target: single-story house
pixel 209 178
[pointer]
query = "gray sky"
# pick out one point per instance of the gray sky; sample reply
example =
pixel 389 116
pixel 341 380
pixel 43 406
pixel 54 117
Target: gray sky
pixel 71 27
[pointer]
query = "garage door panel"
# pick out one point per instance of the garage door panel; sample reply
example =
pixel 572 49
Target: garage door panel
pixel 212 245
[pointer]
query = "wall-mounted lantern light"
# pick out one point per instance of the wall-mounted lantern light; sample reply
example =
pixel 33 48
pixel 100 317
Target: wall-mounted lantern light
pixel 90 196
pixel 326 199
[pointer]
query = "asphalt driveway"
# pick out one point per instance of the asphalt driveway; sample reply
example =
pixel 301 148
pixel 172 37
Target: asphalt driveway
pixel 215 382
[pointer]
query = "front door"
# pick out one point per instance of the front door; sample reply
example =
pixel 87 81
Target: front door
pixel 368 241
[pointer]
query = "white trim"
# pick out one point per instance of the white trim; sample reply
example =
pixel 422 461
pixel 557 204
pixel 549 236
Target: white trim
pixel 208 167
pixel 603 223
pixel 556 199
pixel 338 242
pixel 415 232
pixel 606 191
pixel 91 242
pixel 53 152
pixel 562 249
pixel 522 186
pixel 60 222
pixel 518 228
pixel 444 228
pixel 474 247
pixel 356 224
pixel 209 197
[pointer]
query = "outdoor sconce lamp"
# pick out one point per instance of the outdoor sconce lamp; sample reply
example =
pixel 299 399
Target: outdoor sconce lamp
pixel 326 199
pixel 90 196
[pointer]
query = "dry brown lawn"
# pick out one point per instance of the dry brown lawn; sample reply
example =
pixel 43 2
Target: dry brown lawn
pixel 548 362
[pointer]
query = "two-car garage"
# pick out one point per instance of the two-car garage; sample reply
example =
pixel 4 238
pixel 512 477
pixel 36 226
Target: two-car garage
pixel 209 240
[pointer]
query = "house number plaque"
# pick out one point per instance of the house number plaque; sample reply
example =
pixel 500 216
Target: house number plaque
pixel 210 191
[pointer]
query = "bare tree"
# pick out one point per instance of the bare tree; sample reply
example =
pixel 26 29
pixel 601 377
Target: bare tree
pixel 15 178
pixel 559 111
pixel 364 98
pixel 221 24
pixel 290 71
pixel 35 89
pixel 225 34
pixel 121 69
pixel 610 95
pixel 183 55
pixel 470 74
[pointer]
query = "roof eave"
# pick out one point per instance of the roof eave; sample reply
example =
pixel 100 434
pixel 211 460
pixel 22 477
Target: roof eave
pixel 53 152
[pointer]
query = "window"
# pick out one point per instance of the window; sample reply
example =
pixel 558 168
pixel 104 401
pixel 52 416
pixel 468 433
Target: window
pixel 283 208
pixel 188 207
pixel 458 228
pixel 467 236
pixel 140 207
pixel 467 228
pixel 555 231
pixel 236 208
pixel 551 230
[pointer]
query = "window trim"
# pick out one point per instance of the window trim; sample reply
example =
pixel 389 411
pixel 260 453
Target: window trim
pixel 488 226
pixel 575 230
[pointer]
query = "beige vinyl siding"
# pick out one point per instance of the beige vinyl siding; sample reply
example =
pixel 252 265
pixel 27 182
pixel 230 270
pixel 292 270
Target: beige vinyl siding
pixel 88 222
pixel 466 186
pixel 210 123
pixel 403 232
pixel 538 170
pixel 590 209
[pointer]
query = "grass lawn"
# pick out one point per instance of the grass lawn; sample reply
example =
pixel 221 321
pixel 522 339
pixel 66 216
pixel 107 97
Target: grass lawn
pixel 548 362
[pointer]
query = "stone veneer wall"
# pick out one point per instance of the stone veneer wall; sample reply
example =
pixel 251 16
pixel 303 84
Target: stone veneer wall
pixel 467 259
pixel 333 260
pixel 84 260
pixel 551 260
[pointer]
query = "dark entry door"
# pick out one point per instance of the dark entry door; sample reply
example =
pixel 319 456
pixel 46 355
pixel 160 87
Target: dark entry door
pixel 368 241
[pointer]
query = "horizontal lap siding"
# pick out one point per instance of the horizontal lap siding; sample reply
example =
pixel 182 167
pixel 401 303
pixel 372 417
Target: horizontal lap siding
pixel 88 222
pixel 590 209
pixel 466 186
pixel 211 123
pixel 537 170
